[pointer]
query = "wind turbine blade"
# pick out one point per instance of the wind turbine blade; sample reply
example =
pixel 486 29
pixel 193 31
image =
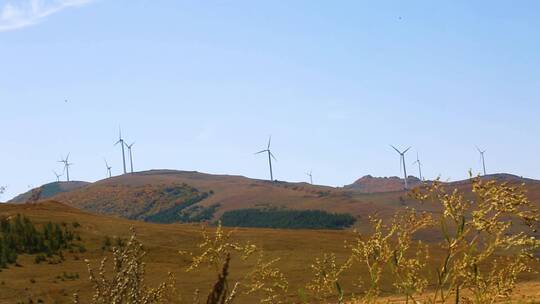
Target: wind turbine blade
pixel 396 150
pixel 407 150
pixel 260 152
pixel 67 157
pixel 269 141
pixel 272 156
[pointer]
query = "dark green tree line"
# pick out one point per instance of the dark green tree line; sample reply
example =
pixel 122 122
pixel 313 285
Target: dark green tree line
pixel 19 235
pixel 289 219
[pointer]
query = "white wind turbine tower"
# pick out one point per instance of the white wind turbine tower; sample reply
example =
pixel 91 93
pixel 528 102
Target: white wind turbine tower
pixel 402 163
pixel 57 176
pixel 130 155
pixel 310 174
pixel 417 162
pixel 108 168
pixel 482 158
pixel 270 156
pixel 122 143
pixel 66 166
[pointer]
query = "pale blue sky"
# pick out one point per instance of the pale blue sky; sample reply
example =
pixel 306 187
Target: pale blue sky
pixel 199 85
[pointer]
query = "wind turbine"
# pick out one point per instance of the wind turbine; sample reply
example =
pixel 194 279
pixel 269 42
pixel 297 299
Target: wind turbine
pixel 130 155
pixel 270 156
pixel 482 158
pixel 402 162
pixel 419 165
pixel 108 167
pixel 122 143
pixel 310 174
pixel 57 176
pixel 66 166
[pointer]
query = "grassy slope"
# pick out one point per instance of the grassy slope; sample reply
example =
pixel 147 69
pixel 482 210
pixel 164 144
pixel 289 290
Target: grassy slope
pixel 163 243
pixel 51 189
pixel 231 192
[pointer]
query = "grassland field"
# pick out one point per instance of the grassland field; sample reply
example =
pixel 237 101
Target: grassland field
pixel 296 249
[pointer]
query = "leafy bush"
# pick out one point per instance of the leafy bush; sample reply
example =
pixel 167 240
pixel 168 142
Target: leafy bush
pixel 290 219
pixel 40 258
pixel 126 283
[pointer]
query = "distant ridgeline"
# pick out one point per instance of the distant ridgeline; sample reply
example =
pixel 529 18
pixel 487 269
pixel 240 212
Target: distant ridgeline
pixel 288 219
pixel 49 190
pixel 18 235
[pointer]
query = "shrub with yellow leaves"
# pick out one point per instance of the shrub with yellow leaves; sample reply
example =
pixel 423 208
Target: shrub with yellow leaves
pixel 126 282
pixel 483 255
pixel 390 248
pixel 264 279
pixel 216 249
pixel 326 275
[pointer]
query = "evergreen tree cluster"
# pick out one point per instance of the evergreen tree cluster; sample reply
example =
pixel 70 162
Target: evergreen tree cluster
pixel 19 235
pixel 288 219
pixel 178 214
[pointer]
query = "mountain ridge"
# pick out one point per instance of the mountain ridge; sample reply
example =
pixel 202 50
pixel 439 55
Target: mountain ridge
pixel 191 196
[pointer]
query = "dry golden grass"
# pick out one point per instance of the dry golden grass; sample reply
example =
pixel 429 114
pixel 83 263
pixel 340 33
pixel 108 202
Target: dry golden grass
pixel 162 243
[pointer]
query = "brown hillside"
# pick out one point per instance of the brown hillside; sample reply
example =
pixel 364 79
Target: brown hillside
pixel 137 195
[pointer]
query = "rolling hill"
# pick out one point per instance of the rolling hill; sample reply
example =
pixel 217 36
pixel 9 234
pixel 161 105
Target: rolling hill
pixel 49 190
pixel 168 196
pixel 158 193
